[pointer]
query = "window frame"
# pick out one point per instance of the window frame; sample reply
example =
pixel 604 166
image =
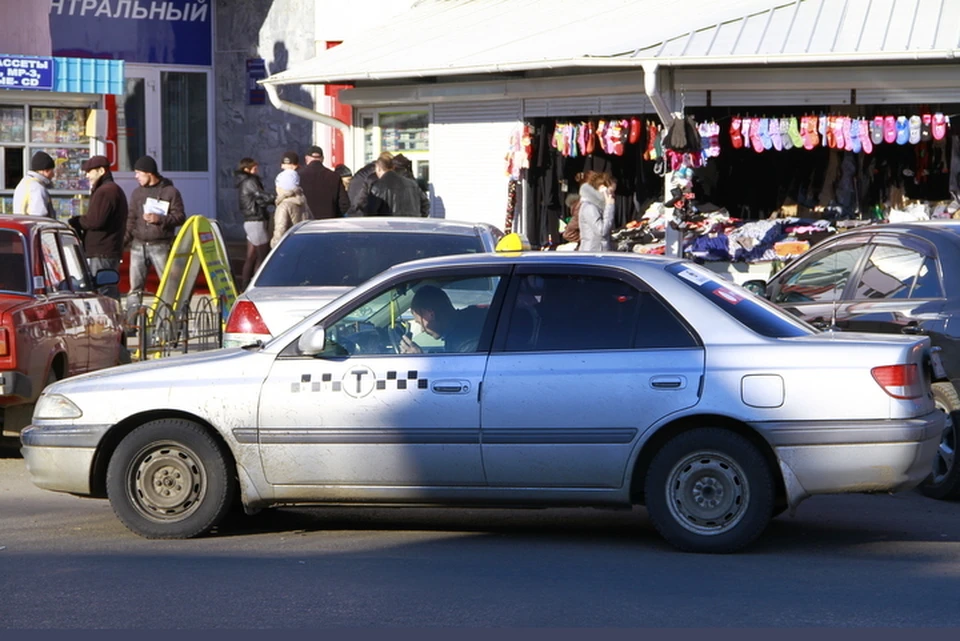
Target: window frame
pixel 612 273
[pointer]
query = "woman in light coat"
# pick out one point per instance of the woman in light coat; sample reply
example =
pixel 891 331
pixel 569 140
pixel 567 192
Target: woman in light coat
pixel 596 211
pixel 291 204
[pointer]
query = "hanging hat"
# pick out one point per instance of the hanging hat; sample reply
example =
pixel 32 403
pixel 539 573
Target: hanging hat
pixel 41 161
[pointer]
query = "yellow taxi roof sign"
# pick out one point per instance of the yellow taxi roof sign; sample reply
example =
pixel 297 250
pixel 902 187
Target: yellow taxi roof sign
pixel 513 243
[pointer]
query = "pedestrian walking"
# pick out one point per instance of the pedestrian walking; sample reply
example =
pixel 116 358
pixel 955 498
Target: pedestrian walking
pixel 104 224
pixel 254 202
pixel 323 189
pixel 32 195
pixel 156 210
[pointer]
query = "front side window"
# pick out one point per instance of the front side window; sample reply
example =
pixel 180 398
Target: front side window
pixel 347 259
pixel 821 279
pixel 76 266
pixel 52 263
pixel 439 315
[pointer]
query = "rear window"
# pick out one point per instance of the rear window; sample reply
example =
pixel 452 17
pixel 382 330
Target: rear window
pixel 13 262
pixel 346 259
pixel 757 314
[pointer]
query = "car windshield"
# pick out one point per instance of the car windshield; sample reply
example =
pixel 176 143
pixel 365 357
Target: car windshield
pixel 13 262
pixel 346 259
pixel 759 315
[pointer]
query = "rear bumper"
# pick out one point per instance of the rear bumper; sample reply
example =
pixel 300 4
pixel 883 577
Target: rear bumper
pixel 14 383
pixel 830 457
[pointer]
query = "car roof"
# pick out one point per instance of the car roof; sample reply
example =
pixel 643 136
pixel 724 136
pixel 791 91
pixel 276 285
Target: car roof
pixel 618 259
pixel 391 224
pixel 24 224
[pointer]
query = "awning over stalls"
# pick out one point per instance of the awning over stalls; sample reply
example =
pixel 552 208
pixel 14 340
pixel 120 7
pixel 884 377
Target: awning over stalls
pixel 477 37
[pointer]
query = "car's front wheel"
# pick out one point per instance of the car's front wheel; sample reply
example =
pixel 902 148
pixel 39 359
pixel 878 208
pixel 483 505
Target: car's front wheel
pixel 709 490
pixel 944 479
pixel 169 479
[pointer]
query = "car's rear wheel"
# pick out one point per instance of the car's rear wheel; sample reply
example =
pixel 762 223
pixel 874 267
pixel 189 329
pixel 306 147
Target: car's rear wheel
pixel 944 479
pixel 169 479
pixel 709 490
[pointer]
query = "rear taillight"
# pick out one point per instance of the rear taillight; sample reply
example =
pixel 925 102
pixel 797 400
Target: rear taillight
pixel 4 337
pixel 245 319
pixel 899 381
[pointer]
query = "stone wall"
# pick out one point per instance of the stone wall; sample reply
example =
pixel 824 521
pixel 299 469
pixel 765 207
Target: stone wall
pixel 282 33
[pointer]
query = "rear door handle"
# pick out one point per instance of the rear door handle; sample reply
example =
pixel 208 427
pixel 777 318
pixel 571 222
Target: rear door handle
pixel 668 382
pixel 450 387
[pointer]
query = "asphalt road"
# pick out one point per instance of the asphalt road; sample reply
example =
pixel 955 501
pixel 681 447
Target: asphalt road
pixel 67 562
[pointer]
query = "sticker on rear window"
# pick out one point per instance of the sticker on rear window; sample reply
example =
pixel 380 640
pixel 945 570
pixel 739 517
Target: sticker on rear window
pixel 731 297
pixel 693 277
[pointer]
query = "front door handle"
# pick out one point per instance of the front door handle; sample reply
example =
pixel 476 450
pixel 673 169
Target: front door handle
pixel 450 387
pixel 668 382
pixel 912 329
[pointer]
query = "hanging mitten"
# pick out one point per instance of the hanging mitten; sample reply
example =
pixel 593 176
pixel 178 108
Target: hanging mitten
pixel 634 130
pixel 589 138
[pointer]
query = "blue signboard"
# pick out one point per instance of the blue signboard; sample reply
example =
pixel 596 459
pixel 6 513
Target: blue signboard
pixel 175 32
pixel 26 72
pixel 256 70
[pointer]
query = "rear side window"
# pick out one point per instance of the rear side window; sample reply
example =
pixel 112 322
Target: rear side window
pixel 755 313
pixel 13 262
pixel 346 259
pixel 897 272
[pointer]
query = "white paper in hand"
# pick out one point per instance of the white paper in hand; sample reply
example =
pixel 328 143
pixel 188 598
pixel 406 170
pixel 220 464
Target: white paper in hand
pixel 156 206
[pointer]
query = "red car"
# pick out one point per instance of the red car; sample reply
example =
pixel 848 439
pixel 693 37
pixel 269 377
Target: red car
pixel 54 321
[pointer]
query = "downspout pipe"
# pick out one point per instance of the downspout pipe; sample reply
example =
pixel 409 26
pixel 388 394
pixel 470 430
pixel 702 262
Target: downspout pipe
pixel 651 85
pixel 304 112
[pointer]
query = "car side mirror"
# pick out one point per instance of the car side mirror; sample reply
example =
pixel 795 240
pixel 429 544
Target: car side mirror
pixel 106 277
pixel 758 287
pixel 312 341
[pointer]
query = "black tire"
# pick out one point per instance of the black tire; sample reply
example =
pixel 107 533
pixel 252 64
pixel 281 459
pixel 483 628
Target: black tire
pixel 709 490
pixel 169 479
pixel 944 480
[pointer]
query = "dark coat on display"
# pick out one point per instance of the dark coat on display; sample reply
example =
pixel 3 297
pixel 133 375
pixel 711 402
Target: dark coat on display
pixel 105 222
pixel 253 199
pixel 324 191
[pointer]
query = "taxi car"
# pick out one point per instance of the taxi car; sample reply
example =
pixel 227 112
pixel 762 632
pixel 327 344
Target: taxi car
pixel 54 322
pixel 318 260
pixel 603 380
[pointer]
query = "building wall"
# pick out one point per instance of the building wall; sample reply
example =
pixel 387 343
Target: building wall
pixel 25 29
pixel 282 33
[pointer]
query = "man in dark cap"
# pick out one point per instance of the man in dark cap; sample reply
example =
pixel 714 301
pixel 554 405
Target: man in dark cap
pixel 326 197
pixel 31 196
pixel 105 222
pixel 156 210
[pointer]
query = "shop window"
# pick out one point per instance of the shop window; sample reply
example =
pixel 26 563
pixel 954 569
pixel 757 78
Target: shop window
pixel 131 124
pixel 404 132
pixel 822 279
pixel 183 115
pixel 12 124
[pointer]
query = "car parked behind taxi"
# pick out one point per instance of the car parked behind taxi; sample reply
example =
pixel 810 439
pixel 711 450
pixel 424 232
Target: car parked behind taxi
pixel 53 321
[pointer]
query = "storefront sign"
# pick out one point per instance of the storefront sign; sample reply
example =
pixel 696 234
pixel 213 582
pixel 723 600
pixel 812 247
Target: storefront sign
pixel 256 70
pixel 155 31
pixel 26 72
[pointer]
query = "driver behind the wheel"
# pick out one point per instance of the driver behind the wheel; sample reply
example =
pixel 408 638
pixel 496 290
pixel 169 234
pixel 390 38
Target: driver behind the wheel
pixel 459 329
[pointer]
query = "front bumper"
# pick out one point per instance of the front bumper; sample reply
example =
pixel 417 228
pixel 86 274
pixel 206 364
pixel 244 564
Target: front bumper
pixel 60 458
pixel 830 457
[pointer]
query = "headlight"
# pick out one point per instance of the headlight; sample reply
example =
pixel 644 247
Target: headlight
pixel 55 406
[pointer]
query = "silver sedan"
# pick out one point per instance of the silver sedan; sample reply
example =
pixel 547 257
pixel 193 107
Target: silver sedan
pixel 537 379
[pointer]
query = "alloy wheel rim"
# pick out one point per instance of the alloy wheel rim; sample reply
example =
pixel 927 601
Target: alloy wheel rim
pixel 947 450
pixel 707 493
pixel 167 482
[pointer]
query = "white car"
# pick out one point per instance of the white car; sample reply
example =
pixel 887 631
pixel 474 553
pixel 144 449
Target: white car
pixel 319 260
pixel 602 380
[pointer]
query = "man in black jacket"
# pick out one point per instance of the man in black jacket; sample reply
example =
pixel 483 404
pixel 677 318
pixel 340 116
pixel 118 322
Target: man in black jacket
pixel 399 196
pixel 156 210
pixel 359 190
pixel 105 223
pixel 326 197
